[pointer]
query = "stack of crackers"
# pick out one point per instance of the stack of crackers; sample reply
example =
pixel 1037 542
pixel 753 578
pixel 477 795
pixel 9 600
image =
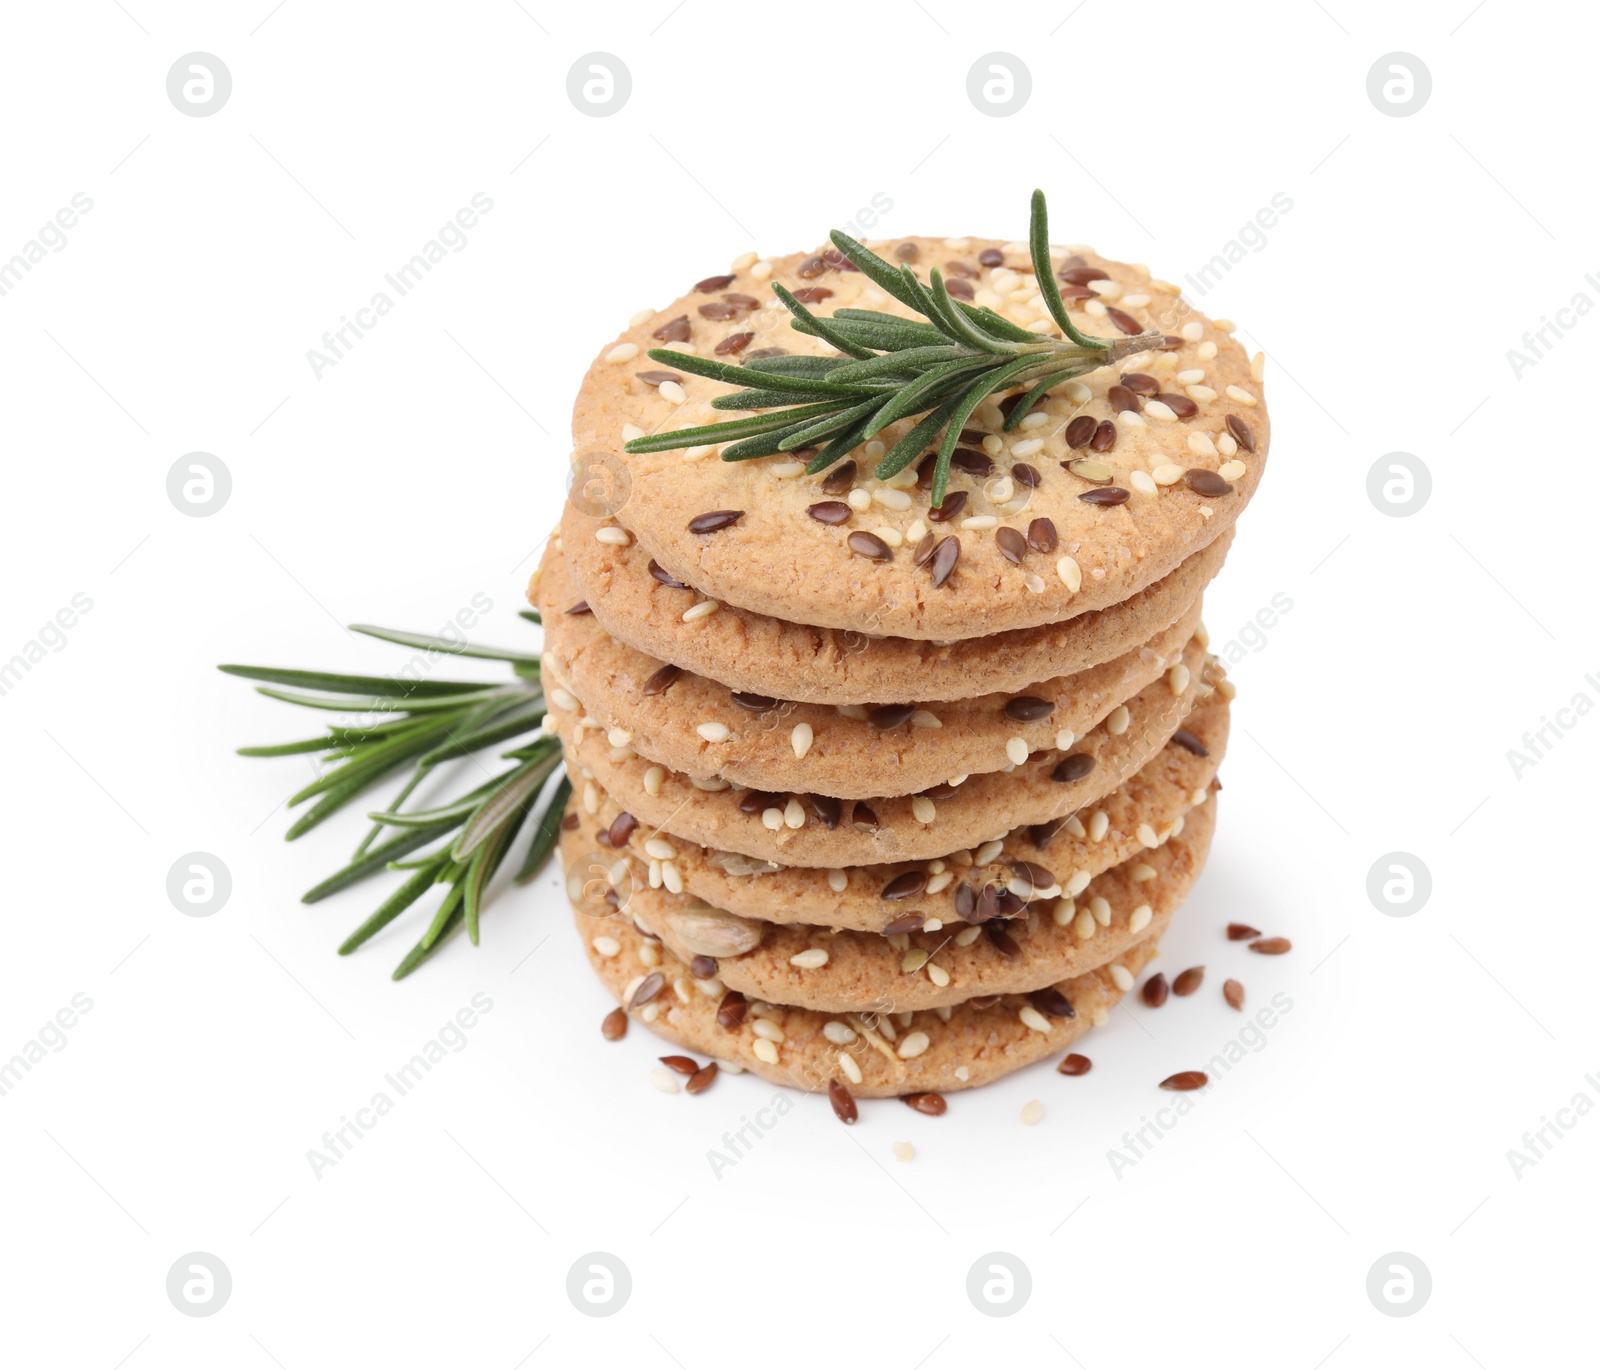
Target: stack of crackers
pixel 872 797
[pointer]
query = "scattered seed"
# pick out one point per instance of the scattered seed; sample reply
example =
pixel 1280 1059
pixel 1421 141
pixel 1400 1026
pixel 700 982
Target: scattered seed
pixel 1185 1080
pixel 868 545
pixel 1271 946
pixel 661 681
pixel 1155 990
pixel 614 1026
pixel 1075 1065
pixel 1032 1112
pixel 907 886
pixel 1233 992
pixel 1029 708
pixel 932 1104
pixel 1124 321
pixel 1074 767
pixel 1240 932
pixel 831 511
pixel 649 987
pixel 825 809
pixel 1053 1002
pixel 683 1065
pixel 840 479
pixel 1206 483
pixel 1106 495
pixel 844 1103
pixel 1188 981
pixel 1013 546
pixel 702 1079
pixel 730 1012
pixel 665 577
pixel 715 520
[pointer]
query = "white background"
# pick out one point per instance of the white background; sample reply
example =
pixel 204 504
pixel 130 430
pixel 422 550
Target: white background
pixel 426 467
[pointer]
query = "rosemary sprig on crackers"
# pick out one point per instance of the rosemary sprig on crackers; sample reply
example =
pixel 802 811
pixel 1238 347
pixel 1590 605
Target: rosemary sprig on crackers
pixel 891 368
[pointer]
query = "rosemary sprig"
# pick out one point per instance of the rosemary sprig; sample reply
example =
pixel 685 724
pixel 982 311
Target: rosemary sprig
pixel 422 724
pixel 894 368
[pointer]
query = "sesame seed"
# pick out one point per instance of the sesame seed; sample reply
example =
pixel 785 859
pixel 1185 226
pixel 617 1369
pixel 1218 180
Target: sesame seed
pixel 1117 720
pixel 564 699
pixel 1232 470
pixel 591 797
pixel 838 881
pixel 850 1067
pixel 915 1044
pixel 922 808
pixel 794 814
pixel 1079 880
pixel 1098 823
pixel 1100 907
pixel 1258 367
pixel 622 352
pixel 1071 574
pixel 761 270
pixel 664 1080
pixel 1201 445
pixel 903 1151
pixel 788 470
pixel 1167 473
pixel 840 1034
pixel 914 960
pixel 1138 301
pixel 772 819
pixel 812 958
pixel 619 737
pixel 1032 1112
pixel 1017 750
pixel 1142 873
pixel 765 1027
pixel 1032 1018
pixel 1227 444
pixel 606 946
pixel 672 392
pixel 891 536
pixel 1139 919
pixel 1063 912
pixel 762 1049
pixel 1206 351
pixel 1159 409
pixel 916 532
pixel 922 718
pixel 1242 395
pixel 1084 925
pixel 660 849
pixel 800 738
pixel 891 498
pixel 987 852
pixel 859 500
pixel 1027 448
pixel 979 522
pixel 1147 835
pixel 1178 679
pixel 1142 483
pixel 713 732
pixel 630 431
pixel 1122 978
pixel 613 536
pixel 1192 332
pixel 650 953
pixel 704 609
pixel 654 778
pixel 967 936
